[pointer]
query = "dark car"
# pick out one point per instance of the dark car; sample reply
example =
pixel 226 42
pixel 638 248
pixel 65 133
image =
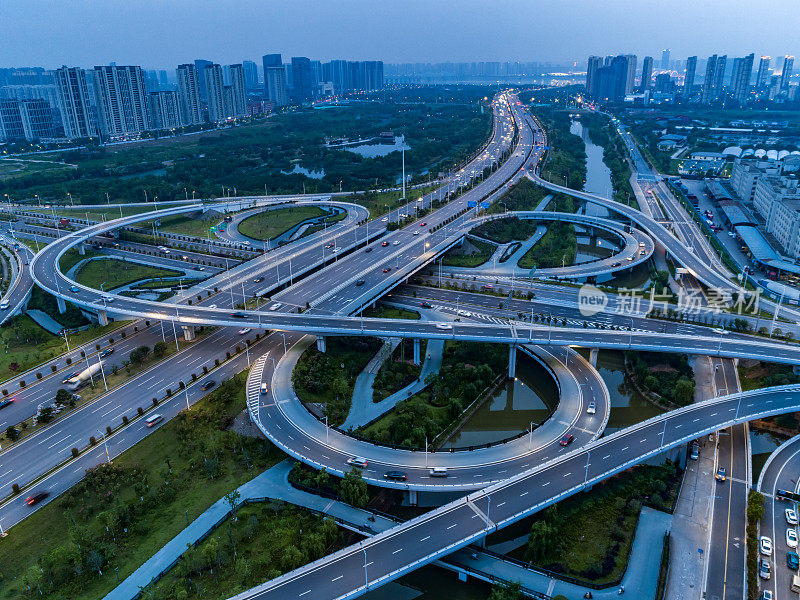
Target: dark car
pixel 258 279
pixel 360 282
pixel 792 561
pixel 208 384
pixel 395 476
pixel 387 269
pixel 238 315
pixel 384 244
pixel 106 352
pixel 566 440
pixel 4 403
pixel 368 249
pixel 425 305
pixel 36 498
pixel 70 376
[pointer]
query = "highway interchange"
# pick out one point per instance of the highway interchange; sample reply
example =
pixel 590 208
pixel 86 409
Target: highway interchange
pixel 319 285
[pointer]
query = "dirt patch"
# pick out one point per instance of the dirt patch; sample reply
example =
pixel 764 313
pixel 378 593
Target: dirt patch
pixel 243 426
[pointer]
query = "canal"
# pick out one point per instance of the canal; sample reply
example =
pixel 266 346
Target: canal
pixel 598 175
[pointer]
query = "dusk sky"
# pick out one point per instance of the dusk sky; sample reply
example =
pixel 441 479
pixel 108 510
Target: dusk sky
pixel 163 33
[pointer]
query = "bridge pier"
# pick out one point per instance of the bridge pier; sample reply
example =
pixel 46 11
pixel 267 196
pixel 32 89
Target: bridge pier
pixel 82 249
pixel 512 361
pixel 412 497
pixel 102 317
pixel 462 576
pixel 417 357
pixel 593 356
pixel 321 343
pixel 62 306
pixel 188 332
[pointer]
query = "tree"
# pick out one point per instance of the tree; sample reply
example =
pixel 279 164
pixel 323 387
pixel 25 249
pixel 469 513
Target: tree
pixel 353 488
pixel 138 355
pixel 95 561
pixel 160 349
pixel 12 434
pixel 510 591
pixel 233 501
pixel 63 396
pixel 683 391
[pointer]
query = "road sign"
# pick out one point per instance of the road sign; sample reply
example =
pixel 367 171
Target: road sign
pixel 471 204
pixel 485 204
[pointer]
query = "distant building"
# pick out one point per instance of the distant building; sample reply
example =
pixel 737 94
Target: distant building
pixel 215 88
pixel 250 75
pixel 121 99
pixel 73 102
pixel 30 120
pixel 647 73
pixel 630 78
pixel 664 84
pixel 594 65
pixel 237 96
pixel 740 79
pixel 302 85
pixel 201 65
pixel 713 82
pixel 189 94
pixel 275 87
pixel 786 72
pixel 688 78
pixel 165 110
pixel 665 59
pixel 763 74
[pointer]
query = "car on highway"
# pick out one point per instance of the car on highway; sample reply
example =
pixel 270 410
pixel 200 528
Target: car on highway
pixel 764 569
pixel 384 244
pixel 423 224
pixel 395 476
pixel 264 388
pixel 152 420
pixel 387 269
pixel 276 306
pixel 244 331
pixel 384 219
pixel 70 376
pixel 443 326
pixel 36 498
pixel 208 384
pixel 426 305
pixel 591 408
pixel 395 243
pixel 106 352
pixel 258 279
pixel 416 232
pixel 358 461
pixel 4 305
pixel 238 315
pixel 360 282
pixel 792 560
pixel 6 402
pixel 765 545
pixel 567 440
pixel 438 472
pixel 368 249
pixel 791 516
pixel 791 537
pixel 73 289
pixel 721 474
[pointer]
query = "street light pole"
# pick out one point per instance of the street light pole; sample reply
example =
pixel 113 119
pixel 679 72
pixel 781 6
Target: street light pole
pixel 105 445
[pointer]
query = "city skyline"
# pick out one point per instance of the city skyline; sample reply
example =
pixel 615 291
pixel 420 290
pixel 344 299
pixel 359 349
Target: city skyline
pixel 511 31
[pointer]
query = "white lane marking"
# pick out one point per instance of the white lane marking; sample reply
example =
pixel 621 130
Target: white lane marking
pixel 427 537
pixel 337 578
pixel 453 525
pixel 398 550
pixel 523 494
pixel 545 484
pixel 306 592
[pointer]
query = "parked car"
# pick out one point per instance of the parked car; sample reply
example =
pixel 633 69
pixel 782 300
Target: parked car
pixel 792 561
pixel 791 516
pixel 791 537
pixel 765 545
pixel 764 569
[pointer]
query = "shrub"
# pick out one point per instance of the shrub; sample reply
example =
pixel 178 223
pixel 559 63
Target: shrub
pixel 75 452
pixel 92 441
pixel 124 419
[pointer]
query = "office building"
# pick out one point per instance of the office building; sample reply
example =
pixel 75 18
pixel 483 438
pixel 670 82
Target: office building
pixel 250 74
pixel 688 78
pixel 302 86
pixel 630 79
pixel 647 73
pixel 595 64
pixel 746 173
pixel 786 72
pixel 777 199
pixel 189 94
pixel 740 79
pixel 275 85
pixel 237 96
pixel 121 100
pixel 612 79
pixel 664 84
pixel 73 102
pixel 201 65
pixel 30 120
pixel 665 59
pixel 163 81
pixel 215 89
pixel 764 73
pixel 165 109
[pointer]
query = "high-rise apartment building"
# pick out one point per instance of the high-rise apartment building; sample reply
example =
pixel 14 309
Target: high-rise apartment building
pixel 665 58
pixel 237 104
pixel 215 88
pixel 275 88
pixel 740 79
pixel 630 78
pixel 189 94
pixel 302 85
pixel 764 72
pixel 250 74
pixel 713 82
pixel 201 65
pixel 647 73
pixel 688 78
pixel 595 63
pixel 30 120
pixel 73 102
pixel 165 109
pixel 786 72
pixel 121 99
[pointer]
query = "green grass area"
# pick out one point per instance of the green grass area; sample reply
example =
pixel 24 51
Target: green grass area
pixel 467 369
pixel 72 257
pixel 114 273
pixel 264 541
pixel 269 224
pixel 472 253
pixel 389 312
pixel 379 203
pixel 556 248
pixel 398 371
pixel 106 214
pixel 19 168
pixel 120 514
pixel 507 230
pixel 185 225
pixel 589 535
pixel 327 378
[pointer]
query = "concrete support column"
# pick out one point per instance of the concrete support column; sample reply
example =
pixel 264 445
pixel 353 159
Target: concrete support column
pixel 412 497
pixel 321 343
pixel 62 306
pixel 417 358
pixel 188 332
pixel 512 361
pixel 102 317
pixel 593 356
pixel 82 249
pixel 462 576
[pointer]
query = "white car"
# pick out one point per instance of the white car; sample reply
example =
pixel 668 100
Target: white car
pixel 791 516
pixel 384 219
pixel 591 409
pixel 791 537
pixel 244 331
pixel 416 233
pixel 276 306
pixel 765 545
pixel 395 243
pixel 443 326
pixel 358 461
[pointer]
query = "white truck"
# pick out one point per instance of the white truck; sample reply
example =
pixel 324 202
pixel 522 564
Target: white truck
pixel 82 378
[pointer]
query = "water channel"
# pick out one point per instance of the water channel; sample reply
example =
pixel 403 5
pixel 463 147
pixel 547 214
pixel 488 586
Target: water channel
pixel 598 175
